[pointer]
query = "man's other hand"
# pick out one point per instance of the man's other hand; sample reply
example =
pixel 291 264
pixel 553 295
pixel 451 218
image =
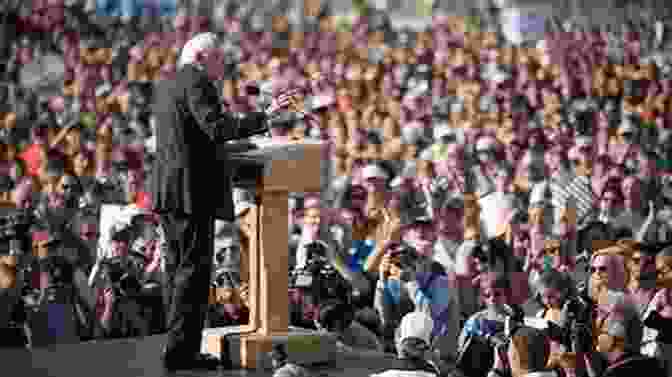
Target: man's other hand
pixel 281 102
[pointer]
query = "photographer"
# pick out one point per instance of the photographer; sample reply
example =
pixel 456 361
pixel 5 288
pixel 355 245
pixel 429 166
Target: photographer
pixel 482 331
pixel 392 299
pixel 14 332
pixel 119 306
pixel 228 299
pixel 317 281
pixel 569 316
pixel 54 318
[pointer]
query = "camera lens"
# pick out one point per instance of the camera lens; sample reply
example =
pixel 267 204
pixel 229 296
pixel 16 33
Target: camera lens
pixel 219 257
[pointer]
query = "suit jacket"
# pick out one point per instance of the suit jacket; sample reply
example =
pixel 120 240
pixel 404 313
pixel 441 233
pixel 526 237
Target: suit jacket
pixel 190 176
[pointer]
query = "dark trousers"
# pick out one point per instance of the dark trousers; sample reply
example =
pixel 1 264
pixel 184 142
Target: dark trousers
pixel 188 268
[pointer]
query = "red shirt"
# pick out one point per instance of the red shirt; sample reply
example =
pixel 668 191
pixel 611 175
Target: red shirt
pixel 143 200
pixel 33 159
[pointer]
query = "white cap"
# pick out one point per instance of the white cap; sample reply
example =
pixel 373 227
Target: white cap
pixel 416 325
pixel 441 130
pixel 626 126
pixel 412 135
pixel 486 143
pixel 374 171
pixel 583 141
pixel 426 155
pixel 397 182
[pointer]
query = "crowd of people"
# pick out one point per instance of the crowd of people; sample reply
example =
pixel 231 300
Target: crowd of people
pixel 479 195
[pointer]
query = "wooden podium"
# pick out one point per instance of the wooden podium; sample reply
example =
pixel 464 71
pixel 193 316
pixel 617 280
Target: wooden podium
pixel 273 170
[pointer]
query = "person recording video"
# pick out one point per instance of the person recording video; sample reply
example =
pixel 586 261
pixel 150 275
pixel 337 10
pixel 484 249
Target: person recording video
pixel 118 279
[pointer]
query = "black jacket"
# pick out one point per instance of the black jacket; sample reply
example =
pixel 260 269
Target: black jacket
pixel 634 365
pixel 191 173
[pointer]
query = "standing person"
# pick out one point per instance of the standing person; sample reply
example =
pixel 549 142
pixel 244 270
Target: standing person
pixel 185 193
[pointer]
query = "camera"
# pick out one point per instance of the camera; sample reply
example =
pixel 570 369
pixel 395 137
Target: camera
pixel 118 274
pixel 319 277
pixel 226 279
pixel 223 254
pixel 404 258
pixel 15 225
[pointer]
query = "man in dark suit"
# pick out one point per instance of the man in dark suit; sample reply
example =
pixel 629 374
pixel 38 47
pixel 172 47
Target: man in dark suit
pixel 190 188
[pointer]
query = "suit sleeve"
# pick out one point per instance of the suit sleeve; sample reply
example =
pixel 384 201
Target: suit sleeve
pixel 203 103
pixel 663 325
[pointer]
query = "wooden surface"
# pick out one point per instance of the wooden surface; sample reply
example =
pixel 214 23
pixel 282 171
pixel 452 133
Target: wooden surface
pixel 273 261
pixel 289 167
pixel 276 170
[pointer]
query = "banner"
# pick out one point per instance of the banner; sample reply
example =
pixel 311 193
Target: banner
pixel 523 25
pixel 135 8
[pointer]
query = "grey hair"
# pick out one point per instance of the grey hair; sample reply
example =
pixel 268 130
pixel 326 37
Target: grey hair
pixel 199 43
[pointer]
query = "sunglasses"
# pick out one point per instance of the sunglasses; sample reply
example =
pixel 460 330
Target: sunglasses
pixel 598 269
pixel 495 294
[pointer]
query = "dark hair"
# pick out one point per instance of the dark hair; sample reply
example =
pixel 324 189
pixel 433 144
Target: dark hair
pixel 333 311
pixel 535 344
pixel 584 235
pixel 123 235
pixel 623 233
pixel 495 280
pixel 278 353
pixel 666 252
pixel 555 279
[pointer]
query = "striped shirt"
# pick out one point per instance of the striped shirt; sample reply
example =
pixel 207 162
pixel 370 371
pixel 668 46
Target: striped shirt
pixel 565 185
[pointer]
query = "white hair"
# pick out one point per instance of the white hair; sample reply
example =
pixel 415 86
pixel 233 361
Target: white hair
pixel 199 43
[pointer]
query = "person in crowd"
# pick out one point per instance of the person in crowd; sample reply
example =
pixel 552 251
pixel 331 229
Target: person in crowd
pixel 561 305
pixel 13 316
pixel 526 355
pixel 55 317
pixel 483 325
pixel 655 315
pixel 338 317
pixel 413 342
pixel 119 291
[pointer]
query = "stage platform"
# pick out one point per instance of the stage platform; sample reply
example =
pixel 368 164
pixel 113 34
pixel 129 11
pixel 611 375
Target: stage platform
pixel 140 357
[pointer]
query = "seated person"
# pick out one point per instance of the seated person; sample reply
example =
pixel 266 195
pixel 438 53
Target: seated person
pixel 117 279
pixel 55 318
pixel 338 317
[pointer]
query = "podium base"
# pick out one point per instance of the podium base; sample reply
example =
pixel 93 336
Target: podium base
pixel 250 350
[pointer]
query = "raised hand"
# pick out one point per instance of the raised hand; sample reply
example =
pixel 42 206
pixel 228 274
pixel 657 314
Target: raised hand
pixel 279 103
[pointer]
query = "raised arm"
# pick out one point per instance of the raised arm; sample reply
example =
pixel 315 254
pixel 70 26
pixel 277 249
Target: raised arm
pixel 203 103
